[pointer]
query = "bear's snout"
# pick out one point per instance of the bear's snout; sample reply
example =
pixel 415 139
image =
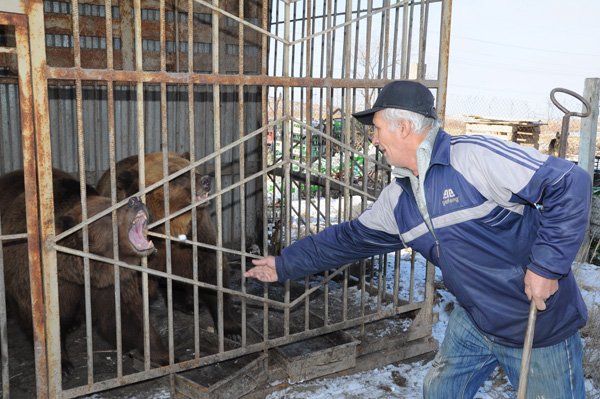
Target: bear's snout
pixel 206 181
pixel 134 201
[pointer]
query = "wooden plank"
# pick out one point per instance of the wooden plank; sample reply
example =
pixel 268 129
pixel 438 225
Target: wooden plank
pixel 489 128
pixel 363 363
pixel 236 383
pixel 316 357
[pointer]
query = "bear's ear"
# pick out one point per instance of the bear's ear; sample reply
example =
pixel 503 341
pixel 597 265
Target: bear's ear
pixel 186 155
pixel 64 223
pixel 127 181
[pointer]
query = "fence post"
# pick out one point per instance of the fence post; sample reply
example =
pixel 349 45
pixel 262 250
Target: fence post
pixel 587 145
pixel 589 126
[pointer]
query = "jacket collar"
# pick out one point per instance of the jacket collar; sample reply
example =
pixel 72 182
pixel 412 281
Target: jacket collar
pixel 441 149
pixel 435 148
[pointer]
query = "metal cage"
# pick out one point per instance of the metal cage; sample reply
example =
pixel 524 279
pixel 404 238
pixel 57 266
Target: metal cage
pixel 262 102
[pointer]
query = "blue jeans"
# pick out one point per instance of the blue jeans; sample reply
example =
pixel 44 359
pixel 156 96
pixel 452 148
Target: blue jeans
pixel 467 358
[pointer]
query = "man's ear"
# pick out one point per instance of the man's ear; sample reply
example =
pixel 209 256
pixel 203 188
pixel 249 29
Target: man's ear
pixel 404 128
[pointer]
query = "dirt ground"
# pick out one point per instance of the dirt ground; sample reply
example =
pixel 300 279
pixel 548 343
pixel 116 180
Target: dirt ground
pixel 22 365
pixel 22 384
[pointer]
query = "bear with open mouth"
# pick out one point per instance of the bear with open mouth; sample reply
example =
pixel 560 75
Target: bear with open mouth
pixel 182 255
pixel 133 245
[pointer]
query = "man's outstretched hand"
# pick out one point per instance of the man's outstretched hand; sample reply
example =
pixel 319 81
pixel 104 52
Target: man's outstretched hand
pixel 264 270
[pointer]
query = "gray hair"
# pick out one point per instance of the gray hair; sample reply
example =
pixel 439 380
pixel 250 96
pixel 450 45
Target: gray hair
pixel 420 123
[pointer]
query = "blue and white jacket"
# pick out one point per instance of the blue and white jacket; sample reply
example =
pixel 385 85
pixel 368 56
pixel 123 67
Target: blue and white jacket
pixel 497 209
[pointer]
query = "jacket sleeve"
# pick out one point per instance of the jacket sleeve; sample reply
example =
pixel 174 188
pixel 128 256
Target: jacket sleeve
pixel 515 177
pixel 332 247
pixel 564 191
pixel 374 232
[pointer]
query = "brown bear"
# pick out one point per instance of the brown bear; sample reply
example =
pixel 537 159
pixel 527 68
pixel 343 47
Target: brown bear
pixel 180 196
pixel 133 245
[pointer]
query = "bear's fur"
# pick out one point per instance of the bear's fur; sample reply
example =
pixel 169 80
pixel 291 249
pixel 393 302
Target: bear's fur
pixel 133 245
pixel 180 196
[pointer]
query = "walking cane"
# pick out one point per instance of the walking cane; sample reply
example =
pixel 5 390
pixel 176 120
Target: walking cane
pixel 522 393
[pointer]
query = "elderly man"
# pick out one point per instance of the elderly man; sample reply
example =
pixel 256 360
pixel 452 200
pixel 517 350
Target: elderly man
pixel 502 222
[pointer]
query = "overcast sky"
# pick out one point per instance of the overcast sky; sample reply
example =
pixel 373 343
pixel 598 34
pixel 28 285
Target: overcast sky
pixel 523 48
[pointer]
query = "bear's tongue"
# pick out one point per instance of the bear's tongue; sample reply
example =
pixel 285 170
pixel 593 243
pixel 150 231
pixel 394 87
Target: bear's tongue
pixel 136 233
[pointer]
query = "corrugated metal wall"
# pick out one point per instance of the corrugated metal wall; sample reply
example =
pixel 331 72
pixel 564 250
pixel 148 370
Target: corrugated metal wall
pixel 10 128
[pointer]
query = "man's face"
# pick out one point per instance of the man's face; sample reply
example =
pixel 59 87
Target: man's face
pixel 390 142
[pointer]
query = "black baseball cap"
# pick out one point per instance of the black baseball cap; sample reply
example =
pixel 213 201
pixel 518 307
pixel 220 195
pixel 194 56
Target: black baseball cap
pixel 401 94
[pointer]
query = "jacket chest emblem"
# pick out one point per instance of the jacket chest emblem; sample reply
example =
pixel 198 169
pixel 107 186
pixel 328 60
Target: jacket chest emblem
pixel 449 197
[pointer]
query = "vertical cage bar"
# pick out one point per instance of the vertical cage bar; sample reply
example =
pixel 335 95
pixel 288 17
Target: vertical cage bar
pixel 288 132
pixel 142 167
pixel 217 140
pixel 330 50
pixel 165 152
pixel 423 39
pixel 192 139
pixel 265 177
pixel 242 156
pixel 411 289
pixel 306 28
pixel 113 184
pixel 395 42
pixel 347 119
pixel 26 100
pixel 397 264
pixel 46 216
pixel 82 188
pixel 367 74
pixel 444 56
pixel 407 38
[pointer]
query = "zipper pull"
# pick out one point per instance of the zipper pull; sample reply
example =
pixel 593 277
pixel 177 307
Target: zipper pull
pixel 437 247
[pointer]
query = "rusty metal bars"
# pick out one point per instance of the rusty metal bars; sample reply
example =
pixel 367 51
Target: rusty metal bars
pixel 83 190
pixel 242 158
pixel 264 160
pixel 28 142
pixel 49 366
pixel 192 139
pixel 444 56
pixel 165 152
pixel 4 363
pixel 113 185
pixel 381 72
pixel 326 83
